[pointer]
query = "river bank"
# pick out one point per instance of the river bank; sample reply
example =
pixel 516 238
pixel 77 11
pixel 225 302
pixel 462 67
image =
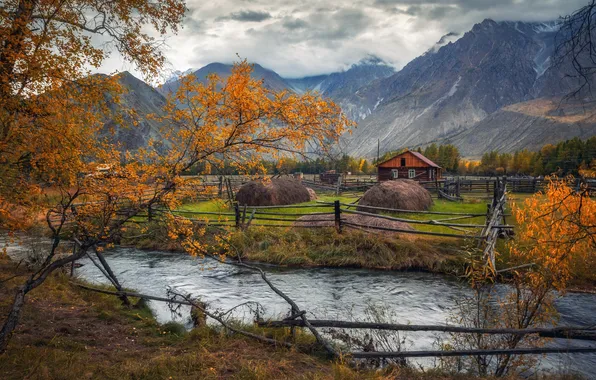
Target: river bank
pixel 310 248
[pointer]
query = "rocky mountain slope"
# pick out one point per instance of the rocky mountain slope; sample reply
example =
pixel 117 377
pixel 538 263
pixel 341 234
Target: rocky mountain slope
pixel 450 89
pixel 339 86
pixel 527 125
pixel 136 129
pixel 342 86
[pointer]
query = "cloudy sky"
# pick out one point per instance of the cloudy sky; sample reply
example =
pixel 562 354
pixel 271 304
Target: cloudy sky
pixel 309 37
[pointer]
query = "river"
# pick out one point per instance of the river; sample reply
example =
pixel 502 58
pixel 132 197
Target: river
pixel 408 297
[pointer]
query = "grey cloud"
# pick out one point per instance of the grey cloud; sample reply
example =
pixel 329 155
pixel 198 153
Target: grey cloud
pixel 294 23
pixel 248 16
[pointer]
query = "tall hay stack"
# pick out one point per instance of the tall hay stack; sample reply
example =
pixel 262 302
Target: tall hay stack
pixel 276 192
pixel 403 194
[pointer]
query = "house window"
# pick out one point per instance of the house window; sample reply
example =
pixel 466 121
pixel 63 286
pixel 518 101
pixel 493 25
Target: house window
pixel 403 162
pixel 411 173
pixel 394 173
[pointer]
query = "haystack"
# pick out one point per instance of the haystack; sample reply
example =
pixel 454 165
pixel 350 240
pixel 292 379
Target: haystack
pixel 363 221
pixel 403 194
pixel 313 195
pixel 276 192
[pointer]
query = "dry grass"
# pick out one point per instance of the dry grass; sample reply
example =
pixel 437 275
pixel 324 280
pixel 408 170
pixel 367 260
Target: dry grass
pixel 352 248
pixel 562 112
pixel 362 220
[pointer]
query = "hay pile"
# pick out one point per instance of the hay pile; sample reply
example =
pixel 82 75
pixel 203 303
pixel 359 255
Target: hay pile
pixel 363 220
pixel 311 192
pixel 403 194
pixel 276 192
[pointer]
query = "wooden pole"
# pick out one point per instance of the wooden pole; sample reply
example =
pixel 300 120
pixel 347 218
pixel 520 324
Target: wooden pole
pixel 442 328
pixel 337 213
pixel 115 281
pixel 237 215
pixel 515 351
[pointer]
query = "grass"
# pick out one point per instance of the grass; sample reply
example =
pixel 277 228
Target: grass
pixel 310 247
pixel 471 206
pixel 324 247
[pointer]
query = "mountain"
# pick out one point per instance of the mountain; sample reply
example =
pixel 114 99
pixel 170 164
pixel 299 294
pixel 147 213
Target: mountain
pixel 177 74
pixel 527 125
pixel 138 128
pixel 342 86
pixel 338 86
pixel 270 78
pixel 456 85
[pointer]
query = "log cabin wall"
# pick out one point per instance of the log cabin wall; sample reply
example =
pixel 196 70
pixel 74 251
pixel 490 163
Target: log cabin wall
pixel 405 162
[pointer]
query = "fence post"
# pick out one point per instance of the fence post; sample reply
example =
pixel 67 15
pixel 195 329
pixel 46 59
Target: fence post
pixel 337 209
pixel 220 188
pixel 150 212
pixel 237 215
pixel 337 191
pixel 458 187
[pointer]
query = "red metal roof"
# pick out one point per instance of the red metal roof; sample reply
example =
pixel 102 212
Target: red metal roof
pixel 416 154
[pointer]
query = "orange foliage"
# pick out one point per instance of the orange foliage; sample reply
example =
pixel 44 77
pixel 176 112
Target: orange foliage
pixel 237 121
pixel 555 227
pixel 50 108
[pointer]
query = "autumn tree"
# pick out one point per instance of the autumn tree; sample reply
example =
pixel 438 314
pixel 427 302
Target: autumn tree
pixel 51 110
pixel 555 240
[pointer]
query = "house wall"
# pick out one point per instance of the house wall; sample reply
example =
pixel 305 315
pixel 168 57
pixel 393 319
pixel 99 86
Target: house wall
pixel 423 170
pixel 422 174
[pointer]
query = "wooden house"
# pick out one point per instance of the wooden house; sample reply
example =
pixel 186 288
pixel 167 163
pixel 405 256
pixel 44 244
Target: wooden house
pixel 409 164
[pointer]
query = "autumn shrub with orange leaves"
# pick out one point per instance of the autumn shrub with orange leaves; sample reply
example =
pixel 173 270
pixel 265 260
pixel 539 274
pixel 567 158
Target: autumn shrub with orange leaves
pixel 557 228
pixel 556 233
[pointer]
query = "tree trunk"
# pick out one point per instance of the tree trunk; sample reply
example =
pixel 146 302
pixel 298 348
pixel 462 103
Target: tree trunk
pixel 12 319
pixel 33 282
pixel 104 263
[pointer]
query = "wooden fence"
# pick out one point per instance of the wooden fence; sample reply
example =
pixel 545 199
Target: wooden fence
pixel 450 188
pixel 337 215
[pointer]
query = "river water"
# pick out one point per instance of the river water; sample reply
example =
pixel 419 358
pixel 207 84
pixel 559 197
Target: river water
pixel 344 294
pixel 409 297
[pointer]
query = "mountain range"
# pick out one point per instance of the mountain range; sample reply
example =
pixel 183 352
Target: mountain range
pixel 494 87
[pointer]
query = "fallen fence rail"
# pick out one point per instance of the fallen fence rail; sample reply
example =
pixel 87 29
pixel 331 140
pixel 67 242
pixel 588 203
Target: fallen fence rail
pixel 440 328
pixel 514 351
pixel 415 232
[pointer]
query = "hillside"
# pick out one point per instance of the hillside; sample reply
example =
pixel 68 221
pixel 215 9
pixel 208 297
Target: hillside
pixel 454 86
pixel 137 128
pixel 527 125
pixel 339 86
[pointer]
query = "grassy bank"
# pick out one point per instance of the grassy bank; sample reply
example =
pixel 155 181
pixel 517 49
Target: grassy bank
pixel 291 246
pixel 325 247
